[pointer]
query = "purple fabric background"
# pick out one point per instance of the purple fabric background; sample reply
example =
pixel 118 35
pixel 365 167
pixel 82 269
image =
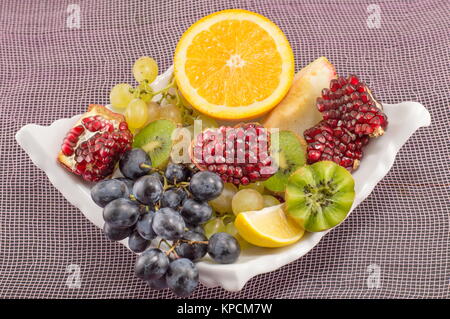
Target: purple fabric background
pixel 49 71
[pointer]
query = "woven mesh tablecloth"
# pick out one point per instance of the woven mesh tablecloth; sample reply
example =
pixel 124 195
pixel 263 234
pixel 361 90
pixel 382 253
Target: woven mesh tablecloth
pixel 50 69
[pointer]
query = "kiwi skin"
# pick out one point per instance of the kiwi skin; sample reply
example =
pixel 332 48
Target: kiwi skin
pixel 293 150
pixel 320 196
pixel 156 140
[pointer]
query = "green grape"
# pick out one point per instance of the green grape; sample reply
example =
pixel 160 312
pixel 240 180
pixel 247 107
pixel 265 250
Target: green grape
pixel 146 97
pixel 145 68
pixel 222 204
pixel 213 226
pixel 120 96
pixel 231 229
pixel 207 122
pixel 171 112
pixel 247 200
pixel 136 113
pixel 258 186
pixel 270 200
pixel 153 111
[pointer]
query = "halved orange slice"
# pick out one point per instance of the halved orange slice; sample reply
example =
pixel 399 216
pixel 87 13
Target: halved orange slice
pixel 234 64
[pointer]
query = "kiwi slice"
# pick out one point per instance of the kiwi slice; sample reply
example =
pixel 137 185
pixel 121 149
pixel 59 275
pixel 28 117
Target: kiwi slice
pixel 319 196
pixel 156 140
pixel 289 153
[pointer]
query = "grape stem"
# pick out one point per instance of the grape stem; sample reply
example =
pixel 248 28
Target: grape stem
pixel 165 92
pixel 192 242
pixel 153 169
pixel 172 249
pixel 165 242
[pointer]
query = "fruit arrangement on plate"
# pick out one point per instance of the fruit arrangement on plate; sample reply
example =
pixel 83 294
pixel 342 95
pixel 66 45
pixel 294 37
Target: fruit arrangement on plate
pixel 236 151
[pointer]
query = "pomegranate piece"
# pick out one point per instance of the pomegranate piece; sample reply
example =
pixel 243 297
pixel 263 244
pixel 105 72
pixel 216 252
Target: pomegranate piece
pixel 239 155
pixel 94 145
pixel 338 144
pixel 349 103
pixel 351 116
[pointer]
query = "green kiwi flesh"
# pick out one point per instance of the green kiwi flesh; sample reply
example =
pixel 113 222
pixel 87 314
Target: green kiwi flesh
pixel 320 196
pixel 290 154
pixel 156 140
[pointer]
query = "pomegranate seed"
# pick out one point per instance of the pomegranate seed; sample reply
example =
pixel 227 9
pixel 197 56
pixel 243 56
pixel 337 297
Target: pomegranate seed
pixel 230 171
pixel 77 130
pixel 342 81
pixel 238 172
pixel 334 86
pixel 72 138
pixel 314 156
pixel 123 126
pixel 346 162
pixel 326 94
pixel 67 150
pixel 222 169
pixel 352 79
pixel 86 120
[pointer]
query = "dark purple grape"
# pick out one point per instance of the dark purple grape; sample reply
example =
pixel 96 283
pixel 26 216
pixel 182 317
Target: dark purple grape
pixel 116 234
pixel 148 190
pixel 192 251
pixel 131 163
pixel 182 192
pixel 171 198
pixel 158 176
pixel 144 226
pixel 197 228
pixel 195 212
pixel 127 181
pixel 151 264
pixel 136 243
pixel 223 248
pixel 176 173
pixel 182 277
pixel 158 284
pixel 121 213
pixel 168 224
pixel 205 186
pixel 108 190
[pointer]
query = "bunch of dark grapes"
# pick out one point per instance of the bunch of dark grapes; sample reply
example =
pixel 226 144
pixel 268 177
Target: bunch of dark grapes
pixel 169 207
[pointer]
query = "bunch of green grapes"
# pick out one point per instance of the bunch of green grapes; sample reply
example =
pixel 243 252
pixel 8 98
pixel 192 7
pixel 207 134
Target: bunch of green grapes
pixel 136 103
pixel 133 101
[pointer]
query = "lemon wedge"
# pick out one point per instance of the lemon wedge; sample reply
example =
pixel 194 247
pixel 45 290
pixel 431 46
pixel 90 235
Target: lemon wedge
pixel 268 227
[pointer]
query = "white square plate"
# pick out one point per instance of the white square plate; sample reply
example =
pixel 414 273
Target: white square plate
pixel 42 144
